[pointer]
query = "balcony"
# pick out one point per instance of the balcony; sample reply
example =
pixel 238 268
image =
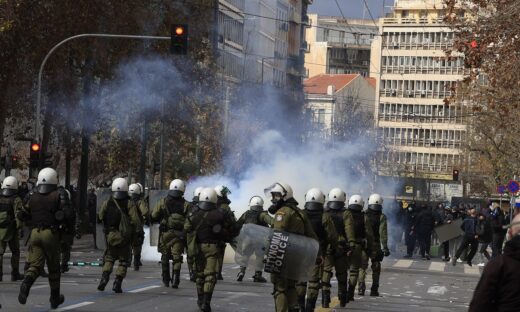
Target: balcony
pixel 413 20
pixel 427 94
pixel 388 69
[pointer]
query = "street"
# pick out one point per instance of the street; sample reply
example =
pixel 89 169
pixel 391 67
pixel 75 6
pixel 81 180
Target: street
pixel 406 285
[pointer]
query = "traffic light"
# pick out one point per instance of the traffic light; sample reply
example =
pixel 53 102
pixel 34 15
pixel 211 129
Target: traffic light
pixel 455 175
pixel 179 39
pixel 34 156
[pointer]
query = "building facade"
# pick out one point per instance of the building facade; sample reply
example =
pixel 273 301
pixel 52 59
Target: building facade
pixel 339 46
pixel 336 102
pixel 421 136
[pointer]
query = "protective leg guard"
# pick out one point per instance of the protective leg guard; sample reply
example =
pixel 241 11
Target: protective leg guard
pixel 117 285
pixel 176 279
pixel 104 281
pixel 350 292
pixel 258 278
pixel 325 298
pixel 24 289
pixel 56 298
pixel 166 278
pixel 241 274
pixel 362 288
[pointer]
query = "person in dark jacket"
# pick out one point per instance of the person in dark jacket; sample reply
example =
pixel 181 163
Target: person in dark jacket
pixel 499 234
pixel 424 224
pixel 484 233
pixel 446 218
pixel 410 234
pixel 498 288
pixel 470 238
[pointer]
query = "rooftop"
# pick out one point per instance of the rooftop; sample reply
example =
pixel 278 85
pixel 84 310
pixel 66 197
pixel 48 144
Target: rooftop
pixel 319 84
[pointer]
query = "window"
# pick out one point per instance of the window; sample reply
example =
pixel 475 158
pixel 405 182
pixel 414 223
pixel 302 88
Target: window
pixel 321 116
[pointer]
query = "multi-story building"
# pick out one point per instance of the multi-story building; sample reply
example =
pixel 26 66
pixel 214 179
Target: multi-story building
pixel 339 46
pixel 343 100
pixel 421 135
pixel 230 39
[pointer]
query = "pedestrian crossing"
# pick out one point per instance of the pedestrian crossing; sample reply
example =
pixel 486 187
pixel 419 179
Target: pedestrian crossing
pixel 432 266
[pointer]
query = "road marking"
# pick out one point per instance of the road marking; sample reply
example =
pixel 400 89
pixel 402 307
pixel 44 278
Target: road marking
pixel 74 306
pixel 333 303
pixel 437 266
pixel 143 289
pixel 471 270
pixel 403 264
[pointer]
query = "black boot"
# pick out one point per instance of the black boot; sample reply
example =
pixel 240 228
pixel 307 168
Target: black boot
pixel 176 279
pixel 24 289
pixel 166 279
pixel 104 281
pixel 192 276
pixel 258 278
pixel 136 264
pixel 206 302
pixel 220 277
pixel 362 288
pixel 1 276
pixel 342 296
pixel 44 273
pixel 16 276
pixel 117 285
pixel 241 273
pixel 64 268
pixel 310 305
pixel 350 292
pixel 374 290
pixel 325 298
pixel 56 298
pixel 301 303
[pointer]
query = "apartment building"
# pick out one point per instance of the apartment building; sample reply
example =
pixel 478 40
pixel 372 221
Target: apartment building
pixel 420 135
pixel 230 43
pixel 339 46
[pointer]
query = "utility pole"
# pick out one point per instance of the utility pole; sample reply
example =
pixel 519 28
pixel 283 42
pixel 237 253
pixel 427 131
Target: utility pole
pixel 67 158
pixel 142 160
pixel 161 156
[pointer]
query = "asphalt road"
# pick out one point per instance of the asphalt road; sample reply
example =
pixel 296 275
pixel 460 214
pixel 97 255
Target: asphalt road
pixel 406 285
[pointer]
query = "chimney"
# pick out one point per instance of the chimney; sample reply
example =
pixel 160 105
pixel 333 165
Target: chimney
pixel 331 90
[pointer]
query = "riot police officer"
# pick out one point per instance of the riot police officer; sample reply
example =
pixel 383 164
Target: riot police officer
pixel 48 208
pixel 10 225
pixel 189 256
pixel 289 218
pixel 136 195
pixel 323 226
pixel 223 202
pixel 171 213
pixel 336 257
pixel 70 229
pixel 378 223
pixel 119 217
pixel 210 226
pixel 360 237
pixel 255 215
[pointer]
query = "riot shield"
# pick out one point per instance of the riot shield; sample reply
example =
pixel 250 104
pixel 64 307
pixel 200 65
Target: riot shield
pixel 153 199
pixel 290 255
pixel 103 194
pixel 252 241
pixel 446 231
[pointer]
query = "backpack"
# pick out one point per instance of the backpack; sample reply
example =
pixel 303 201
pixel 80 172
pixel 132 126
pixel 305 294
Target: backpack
pixel 123 234
pixel 6 212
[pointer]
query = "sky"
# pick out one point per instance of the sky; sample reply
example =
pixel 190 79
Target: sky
pixel 350 8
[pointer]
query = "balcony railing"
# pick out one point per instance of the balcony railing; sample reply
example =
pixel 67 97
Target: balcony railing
pixel 428 94
pixel 413 20
pixel 388 69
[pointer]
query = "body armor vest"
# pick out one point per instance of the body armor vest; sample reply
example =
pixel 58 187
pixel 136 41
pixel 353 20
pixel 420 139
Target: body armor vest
pixel 375 220
pixel 174 205
pixel 316 219
pixel 112 216
pixel 6 211
pixel 339 224
pixel 43 207
pixel 208 226
pixel 359 224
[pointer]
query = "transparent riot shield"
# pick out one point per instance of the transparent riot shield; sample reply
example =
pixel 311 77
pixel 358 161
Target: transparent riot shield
pixel 290 255
pixel 251 244
pixel 153 199
pixel 103 194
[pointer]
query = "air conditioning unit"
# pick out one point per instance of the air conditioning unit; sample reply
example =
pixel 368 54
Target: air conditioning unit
pixel 395 44
pixel 423 93
pixel 409 93
pixel 394 92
